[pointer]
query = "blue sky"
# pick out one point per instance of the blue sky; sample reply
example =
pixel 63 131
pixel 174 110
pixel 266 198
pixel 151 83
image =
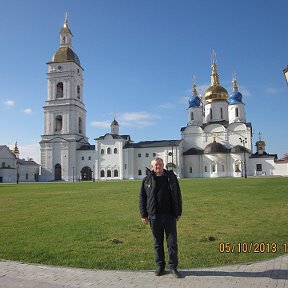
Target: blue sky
pixel 139 57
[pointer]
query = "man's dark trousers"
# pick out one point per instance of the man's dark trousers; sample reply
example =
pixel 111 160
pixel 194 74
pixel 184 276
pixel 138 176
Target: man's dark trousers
pixel 161 224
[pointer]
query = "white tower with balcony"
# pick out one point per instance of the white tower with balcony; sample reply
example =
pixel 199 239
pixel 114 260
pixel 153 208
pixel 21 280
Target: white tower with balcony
pixel 64 113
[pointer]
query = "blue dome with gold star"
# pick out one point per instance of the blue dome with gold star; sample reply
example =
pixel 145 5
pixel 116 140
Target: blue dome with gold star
pixel 236 96
pixel 194 100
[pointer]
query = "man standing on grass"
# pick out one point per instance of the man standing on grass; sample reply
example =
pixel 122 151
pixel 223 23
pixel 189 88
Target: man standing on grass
pixel 160 204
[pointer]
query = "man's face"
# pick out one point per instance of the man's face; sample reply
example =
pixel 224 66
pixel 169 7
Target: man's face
pixel 158 167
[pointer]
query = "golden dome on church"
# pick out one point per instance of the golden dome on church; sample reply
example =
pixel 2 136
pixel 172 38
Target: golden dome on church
pixel 15 150
pixel 65 54
pixel 215 92
pixel 114 122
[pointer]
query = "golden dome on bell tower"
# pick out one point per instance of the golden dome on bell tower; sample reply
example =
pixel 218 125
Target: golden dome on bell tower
pixel 15 150
pixel 215 92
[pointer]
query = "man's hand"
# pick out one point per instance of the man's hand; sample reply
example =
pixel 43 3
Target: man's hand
pixel 145 220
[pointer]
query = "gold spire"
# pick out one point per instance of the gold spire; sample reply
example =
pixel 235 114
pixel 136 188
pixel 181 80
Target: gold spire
pixel 214 73
pixel 15 150
pixel 65 28
pixel 215 92
pixel 235 83
pixel 194 90
pixel 66 20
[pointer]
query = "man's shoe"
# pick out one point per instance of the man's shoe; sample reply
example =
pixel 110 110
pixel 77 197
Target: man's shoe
pixel 160 271
pixel 175 273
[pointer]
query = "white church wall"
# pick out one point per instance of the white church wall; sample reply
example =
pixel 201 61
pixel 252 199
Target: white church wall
pixel 261 166
pixel 236 165
pixel 192 166
pixel 239 130
pixel 28 173
pixel 216 131
pixel 192 138
pixel 239 116
pixel 219 111
pixel 7 165
pixel 281 169
pixel 8 175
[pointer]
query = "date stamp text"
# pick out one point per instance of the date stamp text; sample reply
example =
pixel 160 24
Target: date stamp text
pixel 256 247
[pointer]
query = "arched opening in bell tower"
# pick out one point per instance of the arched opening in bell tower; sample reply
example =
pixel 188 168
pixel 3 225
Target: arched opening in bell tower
pixel 78 92
pixel 80 125
pixel 58 124
pixel 59 91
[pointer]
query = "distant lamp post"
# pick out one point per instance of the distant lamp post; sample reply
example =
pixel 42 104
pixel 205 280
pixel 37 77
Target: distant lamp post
pixel 243 142
pixel 285 71
pixel 171 153
pixel 73 172
pixel 17 173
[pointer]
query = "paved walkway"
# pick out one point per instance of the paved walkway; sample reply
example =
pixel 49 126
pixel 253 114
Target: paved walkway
pixel 272 273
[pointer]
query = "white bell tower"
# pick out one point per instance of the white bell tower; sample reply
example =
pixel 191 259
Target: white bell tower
pixel 194 111
pixel 64 112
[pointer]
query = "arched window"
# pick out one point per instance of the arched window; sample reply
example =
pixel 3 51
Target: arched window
pixel 108 173
pixel 236 112
pixel 80 125
pixel 102 173
pixel 211 114
pixel 237 166
pixel 58 124
pixel 102 152
pixel 58 171
pixel 205 169
pixel 78 92
pixel 86 173
pixel 116 173
pixel 191 116
pixel 221 113
pixel 59 92
pixel 108 150
pixel 213 167
pixel 115 151
pixel 190 169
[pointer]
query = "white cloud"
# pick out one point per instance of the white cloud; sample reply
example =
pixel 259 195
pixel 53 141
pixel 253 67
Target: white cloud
pixel 132 119
pixel 101 124
pixel 184 100
pixel 135 116
pixel 201 89
pixel 30 151
pixel 138 119
pixel 27 111
pixel 9 103
pixel 244 91
pixel 167 105
pixel 273 90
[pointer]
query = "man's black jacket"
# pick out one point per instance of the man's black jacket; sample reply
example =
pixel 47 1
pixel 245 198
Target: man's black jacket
pixel 147 198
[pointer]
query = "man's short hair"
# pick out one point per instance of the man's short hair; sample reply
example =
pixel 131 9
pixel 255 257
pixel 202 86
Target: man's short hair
pixel 156 159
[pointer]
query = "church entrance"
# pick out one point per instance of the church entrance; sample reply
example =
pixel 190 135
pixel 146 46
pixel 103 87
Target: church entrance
pixel 86 174
pixel 58 174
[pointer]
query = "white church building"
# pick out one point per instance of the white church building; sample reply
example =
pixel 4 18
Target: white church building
pixel 217 141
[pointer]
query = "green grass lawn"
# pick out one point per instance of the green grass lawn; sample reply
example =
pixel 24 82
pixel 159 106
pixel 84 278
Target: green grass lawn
pixel 97 225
